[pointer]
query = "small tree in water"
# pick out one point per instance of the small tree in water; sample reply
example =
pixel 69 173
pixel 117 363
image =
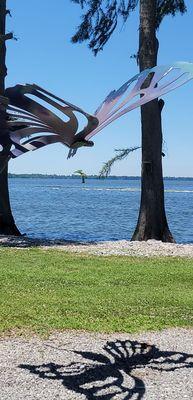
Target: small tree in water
pixel 81 174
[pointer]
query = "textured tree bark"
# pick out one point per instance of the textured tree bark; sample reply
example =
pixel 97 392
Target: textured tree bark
pixel 7 224
pixel 152 222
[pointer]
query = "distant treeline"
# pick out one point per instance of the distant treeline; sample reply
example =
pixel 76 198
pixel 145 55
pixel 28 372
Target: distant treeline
pixel 45 176
pixel 90 177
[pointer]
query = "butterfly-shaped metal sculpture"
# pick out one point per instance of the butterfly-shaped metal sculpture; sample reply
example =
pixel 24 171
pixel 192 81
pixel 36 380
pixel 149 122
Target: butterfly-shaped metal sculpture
pixel 32 125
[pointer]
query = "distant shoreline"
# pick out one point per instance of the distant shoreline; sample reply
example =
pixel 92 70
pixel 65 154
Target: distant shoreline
pixel 115 177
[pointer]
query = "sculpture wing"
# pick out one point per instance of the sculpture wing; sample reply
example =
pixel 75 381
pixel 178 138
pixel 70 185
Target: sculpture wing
pixel 27 117
pixel 125 99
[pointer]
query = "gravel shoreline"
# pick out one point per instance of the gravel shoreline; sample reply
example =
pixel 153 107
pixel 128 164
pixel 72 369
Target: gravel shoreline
pixel 81 365
pixel 151 248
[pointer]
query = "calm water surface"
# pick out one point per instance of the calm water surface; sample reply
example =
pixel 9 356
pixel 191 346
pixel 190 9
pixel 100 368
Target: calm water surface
pixel 58 208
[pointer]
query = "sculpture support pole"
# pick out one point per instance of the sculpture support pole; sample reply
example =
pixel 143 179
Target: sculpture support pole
pixel 7 224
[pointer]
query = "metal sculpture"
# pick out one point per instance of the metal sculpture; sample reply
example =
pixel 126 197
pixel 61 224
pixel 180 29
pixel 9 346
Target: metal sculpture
pixel 27 117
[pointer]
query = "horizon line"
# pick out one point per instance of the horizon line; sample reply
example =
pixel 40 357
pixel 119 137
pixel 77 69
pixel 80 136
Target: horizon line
pixel 91 175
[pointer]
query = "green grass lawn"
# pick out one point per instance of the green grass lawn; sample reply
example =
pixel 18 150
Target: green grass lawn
pixel 41 291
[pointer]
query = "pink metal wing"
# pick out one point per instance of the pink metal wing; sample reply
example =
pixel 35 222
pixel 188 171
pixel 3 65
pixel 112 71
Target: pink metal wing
pixel 123 100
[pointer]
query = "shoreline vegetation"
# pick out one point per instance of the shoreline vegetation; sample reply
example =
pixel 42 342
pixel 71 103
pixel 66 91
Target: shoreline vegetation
pixel 74 176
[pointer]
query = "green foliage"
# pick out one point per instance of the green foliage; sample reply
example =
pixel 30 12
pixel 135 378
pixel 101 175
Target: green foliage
pixel 100 20
pixel 44 290
pixel 169 7
pixel 80 172
pixel 122 153
pixel 101 17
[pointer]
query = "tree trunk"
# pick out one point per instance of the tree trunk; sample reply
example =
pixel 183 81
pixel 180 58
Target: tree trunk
pixel 7 224
pixel 152 222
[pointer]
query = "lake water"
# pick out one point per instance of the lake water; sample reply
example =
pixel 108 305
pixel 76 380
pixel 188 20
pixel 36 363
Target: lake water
pixel 59 208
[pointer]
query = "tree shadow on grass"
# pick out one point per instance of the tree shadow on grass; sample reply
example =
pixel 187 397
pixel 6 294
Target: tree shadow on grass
pixel 25 242
pixel 112 373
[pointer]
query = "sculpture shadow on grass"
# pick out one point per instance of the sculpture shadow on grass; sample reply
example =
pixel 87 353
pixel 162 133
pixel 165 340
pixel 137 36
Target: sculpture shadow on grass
pixel 112 373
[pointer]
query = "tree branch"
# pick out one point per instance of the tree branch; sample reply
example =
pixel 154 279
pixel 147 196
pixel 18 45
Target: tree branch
pixel 8 12
pixel 7 36
pixel 123 153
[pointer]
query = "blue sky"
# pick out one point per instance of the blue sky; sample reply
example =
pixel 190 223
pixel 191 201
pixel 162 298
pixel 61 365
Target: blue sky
pixel 44 55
